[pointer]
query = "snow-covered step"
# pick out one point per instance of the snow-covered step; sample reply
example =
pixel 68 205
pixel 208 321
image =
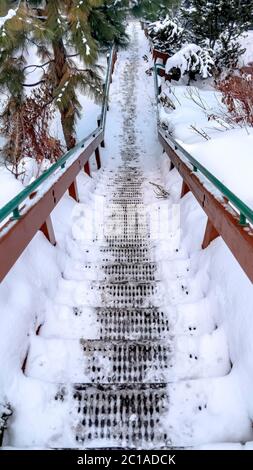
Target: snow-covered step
pixel 171 271
pixel 100 294
pixel 125 200
pixel 190 319
pixel 114 272
pixel 101 362
pixel 131 272
pixel 127 294
pixel 133 324
pixel 122 230
pixel 133 254
pixel 124 361
pixel 153 416
pixel 106 323
pixel 126 242
pixel 120 416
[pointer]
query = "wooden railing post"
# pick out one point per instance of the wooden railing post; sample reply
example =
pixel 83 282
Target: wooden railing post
pixel 210 234
pixel 48 230
pixel 185 189
pixel 87 168
pixel 103 142
pixel 73 191
pixel 98 159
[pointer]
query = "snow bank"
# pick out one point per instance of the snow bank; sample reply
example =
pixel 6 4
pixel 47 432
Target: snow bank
pixel 228 302
pixel 224 149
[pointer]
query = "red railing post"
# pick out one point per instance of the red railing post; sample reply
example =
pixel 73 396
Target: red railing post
pixel 87 168
pixel 48 230
pixel 73 191
pixel 98 159
pixel 185 189
pixel 210 234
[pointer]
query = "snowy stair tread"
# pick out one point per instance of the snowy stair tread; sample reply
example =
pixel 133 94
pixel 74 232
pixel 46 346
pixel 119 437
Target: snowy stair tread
pixel 122 361
pixel 119 416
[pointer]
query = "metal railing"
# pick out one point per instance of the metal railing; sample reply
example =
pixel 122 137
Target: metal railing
pixel 246 213
pixel 12 208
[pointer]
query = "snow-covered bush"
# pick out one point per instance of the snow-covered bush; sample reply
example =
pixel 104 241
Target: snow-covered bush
pixel 191 60
pixel 237 95
pixel 219 25
pixel 166 35
pixel 208 20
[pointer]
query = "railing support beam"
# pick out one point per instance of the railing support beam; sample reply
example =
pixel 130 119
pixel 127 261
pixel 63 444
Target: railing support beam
pixel 87 169
pixel 185 189
pixel 73 191
pixel 48 230
pixel 210 234
pixel 103 142
pixel 98 159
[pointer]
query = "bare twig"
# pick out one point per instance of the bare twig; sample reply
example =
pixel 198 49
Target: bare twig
pixel 160 192
pixel 200 132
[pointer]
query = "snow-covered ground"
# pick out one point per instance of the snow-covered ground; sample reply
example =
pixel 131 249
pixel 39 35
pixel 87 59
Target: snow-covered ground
pixel 247 43
pixel 207 297
pixel 199 123
pixel 225 150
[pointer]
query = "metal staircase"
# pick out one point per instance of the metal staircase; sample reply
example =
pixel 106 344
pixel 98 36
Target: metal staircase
pixel 126 397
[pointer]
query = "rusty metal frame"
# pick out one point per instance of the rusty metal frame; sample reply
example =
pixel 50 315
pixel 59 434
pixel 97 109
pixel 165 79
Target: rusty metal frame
pixel 223 220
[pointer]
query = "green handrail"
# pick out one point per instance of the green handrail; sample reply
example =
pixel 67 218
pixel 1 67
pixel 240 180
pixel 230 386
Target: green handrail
pixel 246 213
pixel 12 207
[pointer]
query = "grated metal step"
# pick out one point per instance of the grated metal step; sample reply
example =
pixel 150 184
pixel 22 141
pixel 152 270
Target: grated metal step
pixel 113 273
pixel 129 323
pixel 128 255
pixel 125 201
pixel 127 294
pixel 115 241
pixel 125 361
pixel 127 252
pixel 130 272
pixel 119 416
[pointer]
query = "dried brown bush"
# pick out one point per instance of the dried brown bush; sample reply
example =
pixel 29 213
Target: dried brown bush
pixel 237 94
pixel 26 128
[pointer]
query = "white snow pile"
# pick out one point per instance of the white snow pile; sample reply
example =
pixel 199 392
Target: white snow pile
pixel 199 123
pixel 191 58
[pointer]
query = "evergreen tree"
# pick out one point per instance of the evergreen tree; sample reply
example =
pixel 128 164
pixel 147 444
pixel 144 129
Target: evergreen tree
pixel 153 10
pixel 166 35
pixel 108 22
pixel 211 19
pixel 64 34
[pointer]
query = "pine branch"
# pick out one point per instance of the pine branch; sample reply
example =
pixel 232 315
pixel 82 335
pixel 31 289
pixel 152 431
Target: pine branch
pixel 33 84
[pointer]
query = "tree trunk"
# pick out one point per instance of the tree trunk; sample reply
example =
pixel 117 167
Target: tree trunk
pixel 67 112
